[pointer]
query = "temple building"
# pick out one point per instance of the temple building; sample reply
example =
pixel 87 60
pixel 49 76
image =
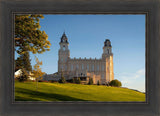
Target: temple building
pixel 98 69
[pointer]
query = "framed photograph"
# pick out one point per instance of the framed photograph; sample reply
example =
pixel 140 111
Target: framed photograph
pixel 83 79
pixel 80 58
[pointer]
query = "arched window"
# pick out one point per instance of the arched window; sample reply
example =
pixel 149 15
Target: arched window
pixel 64 48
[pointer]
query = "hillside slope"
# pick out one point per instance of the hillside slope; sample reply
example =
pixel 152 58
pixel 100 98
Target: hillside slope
pixel 73 92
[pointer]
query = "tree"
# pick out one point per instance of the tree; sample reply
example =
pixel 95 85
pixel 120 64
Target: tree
pixel 18 63
pixel 28 36
pixel 115 83
pixel 23 62
pixel 62 80
pixel 90 81
pixel 37 72
pixel 73 80
pixel 78 81
pixel 26 61
pixel 98 83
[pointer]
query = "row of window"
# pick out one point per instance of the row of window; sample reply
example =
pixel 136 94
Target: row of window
pixel 77 67
pixel 88 67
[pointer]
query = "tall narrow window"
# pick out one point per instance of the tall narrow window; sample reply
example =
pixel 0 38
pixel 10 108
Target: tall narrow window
pixel 82 66
pixel 102 76
pixel 64 48
pixel 88 67
pixel 77 66
pixel 97 67
pixel 92 67
pixel 62 67
pixel 106 50
pixel 102 67
pixel 71 67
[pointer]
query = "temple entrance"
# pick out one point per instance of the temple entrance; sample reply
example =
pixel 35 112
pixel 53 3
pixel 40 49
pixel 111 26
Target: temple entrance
pixel 84 80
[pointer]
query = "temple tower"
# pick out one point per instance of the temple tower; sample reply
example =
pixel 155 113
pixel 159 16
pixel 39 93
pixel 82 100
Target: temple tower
pixel 63 54
pixel 107 57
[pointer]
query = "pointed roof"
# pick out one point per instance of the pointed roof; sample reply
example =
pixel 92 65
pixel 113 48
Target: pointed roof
pixel 64 38
pixel 107 43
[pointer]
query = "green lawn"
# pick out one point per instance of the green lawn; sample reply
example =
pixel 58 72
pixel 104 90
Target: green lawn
pixel 73 92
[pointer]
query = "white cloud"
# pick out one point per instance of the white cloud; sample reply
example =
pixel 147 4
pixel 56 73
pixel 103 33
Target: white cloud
pixel 140 73
pixel 133 80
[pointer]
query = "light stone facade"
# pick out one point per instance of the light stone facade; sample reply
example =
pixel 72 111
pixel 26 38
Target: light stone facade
pixel 98 69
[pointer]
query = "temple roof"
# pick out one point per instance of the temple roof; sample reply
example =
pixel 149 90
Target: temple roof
pixel 107 43
pixel 64 38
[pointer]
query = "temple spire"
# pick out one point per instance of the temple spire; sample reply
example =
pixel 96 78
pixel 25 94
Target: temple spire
pixel 64 38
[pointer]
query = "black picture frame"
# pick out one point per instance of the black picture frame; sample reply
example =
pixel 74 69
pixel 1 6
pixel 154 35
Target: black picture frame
pixel 148 7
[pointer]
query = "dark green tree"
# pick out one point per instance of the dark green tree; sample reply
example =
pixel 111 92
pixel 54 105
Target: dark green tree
pixel 90 81
pixel 98 83
pixel 23 62
pixel 18 63
pixel 62 80
pixel 27 61
pixel 115 83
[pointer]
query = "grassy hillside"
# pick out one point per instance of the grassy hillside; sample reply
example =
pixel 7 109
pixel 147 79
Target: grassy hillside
pixel 73 92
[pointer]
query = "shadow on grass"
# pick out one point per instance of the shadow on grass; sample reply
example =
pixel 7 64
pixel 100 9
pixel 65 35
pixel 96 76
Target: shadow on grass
pixel 41 95
pixel 18 98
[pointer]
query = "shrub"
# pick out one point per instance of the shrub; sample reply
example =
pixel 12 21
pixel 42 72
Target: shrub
pixel 78 81
pixel 90 81
pixel 51 81
pixel 73 80
pixel 70 80
pixel 62 80
pixel 40 81
pixel 115 83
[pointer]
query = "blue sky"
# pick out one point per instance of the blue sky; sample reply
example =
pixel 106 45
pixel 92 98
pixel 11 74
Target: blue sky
pixel 86 35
